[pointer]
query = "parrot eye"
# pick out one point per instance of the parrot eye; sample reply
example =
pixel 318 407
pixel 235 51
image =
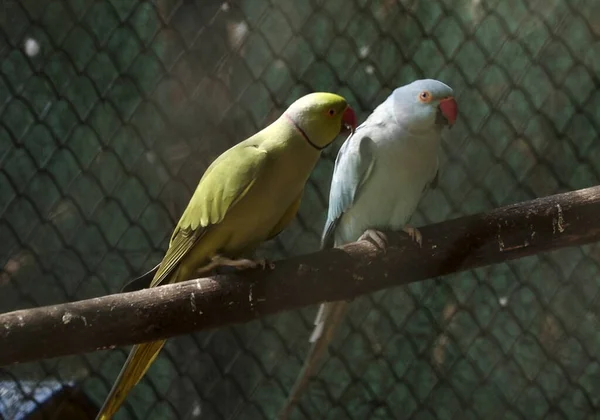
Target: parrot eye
pixel 331 112
pixel 425 96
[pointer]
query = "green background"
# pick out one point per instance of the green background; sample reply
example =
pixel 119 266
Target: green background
pixel 106 131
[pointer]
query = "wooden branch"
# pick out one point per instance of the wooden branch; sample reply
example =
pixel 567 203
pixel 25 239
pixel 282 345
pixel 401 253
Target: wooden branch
pixel 503 234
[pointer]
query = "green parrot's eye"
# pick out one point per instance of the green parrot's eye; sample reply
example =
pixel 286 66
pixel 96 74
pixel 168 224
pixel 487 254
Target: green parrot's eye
pixel 331 112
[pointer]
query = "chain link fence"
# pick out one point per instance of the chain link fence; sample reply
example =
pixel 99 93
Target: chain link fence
pixel 110 111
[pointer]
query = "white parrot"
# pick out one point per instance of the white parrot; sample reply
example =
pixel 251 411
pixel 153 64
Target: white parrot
pixel 380 175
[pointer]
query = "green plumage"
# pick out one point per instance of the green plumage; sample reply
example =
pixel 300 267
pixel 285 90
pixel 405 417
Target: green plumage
pixel 246 196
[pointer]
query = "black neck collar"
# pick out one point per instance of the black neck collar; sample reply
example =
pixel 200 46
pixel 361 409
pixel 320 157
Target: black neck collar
pixel 303 134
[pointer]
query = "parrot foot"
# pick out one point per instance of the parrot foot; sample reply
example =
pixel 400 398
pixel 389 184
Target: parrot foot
pixel 414 234
pixel 376 237
pixel 219 261
pixel 263 263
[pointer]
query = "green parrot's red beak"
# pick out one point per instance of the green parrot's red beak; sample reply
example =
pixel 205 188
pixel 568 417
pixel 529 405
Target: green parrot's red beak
pixel 349 120
pixel 449 109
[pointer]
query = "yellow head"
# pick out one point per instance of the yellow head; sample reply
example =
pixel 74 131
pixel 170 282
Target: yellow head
pixel 320 117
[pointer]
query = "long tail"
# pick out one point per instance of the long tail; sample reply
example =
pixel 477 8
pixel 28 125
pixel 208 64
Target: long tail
pixel 328 318
pixel 139 360
pixel 141 282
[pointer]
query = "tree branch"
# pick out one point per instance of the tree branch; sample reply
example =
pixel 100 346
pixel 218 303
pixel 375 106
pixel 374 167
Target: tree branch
pixel 503 234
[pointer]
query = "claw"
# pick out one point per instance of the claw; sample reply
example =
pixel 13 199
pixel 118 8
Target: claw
pixel 376 237
pixel 414 234
pixel 264 264
pixel 220 262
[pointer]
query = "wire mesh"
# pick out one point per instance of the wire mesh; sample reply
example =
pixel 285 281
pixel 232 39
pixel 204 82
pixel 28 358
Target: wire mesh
pixel 111 110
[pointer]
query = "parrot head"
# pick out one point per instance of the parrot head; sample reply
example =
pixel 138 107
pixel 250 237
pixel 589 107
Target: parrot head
pixel 423 104
pixel 320 117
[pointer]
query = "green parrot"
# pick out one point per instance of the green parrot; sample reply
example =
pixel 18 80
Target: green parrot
pixel 249 194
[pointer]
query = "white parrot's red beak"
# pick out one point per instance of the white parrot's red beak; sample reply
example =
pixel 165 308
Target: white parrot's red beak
pixel 349 120
pixel 449 109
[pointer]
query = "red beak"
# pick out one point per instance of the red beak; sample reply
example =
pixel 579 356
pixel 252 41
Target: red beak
pixel 349 119
pixel 449 109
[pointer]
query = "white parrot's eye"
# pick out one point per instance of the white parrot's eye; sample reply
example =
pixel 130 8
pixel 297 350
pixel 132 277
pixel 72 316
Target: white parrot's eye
pixel 425 96
pixel 331 112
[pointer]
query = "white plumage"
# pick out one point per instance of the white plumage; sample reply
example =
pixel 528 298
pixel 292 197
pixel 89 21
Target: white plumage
pixel 380 175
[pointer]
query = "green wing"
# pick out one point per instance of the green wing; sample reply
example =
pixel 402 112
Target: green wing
pixel 227 180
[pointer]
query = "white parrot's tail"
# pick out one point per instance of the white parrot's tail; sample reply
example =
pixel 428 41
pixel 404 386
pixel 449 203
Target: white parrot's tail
pixel 328 318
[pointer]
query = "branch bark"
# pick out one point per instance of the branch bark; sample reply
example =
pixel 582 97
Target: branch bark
pixel 503 234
